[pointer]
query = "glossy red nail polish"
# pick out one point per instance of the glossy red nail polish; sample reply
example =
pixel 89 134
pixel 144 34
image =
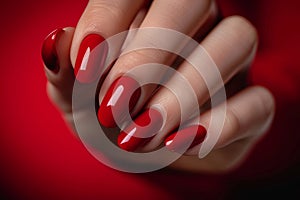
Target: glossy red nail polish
pixel 179 140
pixel 49 53
pixel 91 58
pixel 120 98
pixel 144 128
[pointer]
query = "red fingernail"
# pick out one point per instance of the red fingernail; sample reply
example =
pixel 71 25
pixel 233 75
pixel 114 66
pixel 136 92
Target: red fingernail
pixel 49 52
pixel 123 93
pixel 91 58
pixel 144 128
pixel 180 140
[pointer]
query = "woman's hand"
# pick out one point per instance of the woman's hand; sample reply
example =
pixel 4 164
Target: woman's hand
pixel 156 111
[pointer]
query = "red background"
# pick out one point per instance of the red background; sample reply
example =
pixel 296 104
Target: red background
pixel 40 159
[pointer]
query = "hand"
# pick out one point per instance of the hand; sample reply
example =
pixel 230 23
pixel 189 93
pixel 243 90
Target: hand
pixel 231 45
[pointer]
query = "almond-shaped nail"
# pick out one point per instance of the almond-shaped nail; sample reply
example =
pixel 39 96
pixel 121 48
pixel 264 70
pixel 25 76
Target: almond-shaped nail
pixel 91 58
pixel 144 128
pixel 120 99
pixel 49 51
pixel 186 138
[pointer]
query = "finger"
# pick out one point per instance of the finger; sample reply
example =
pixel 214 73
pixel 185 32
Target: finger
pixel 248 115
pixel 100 20
pixel 235 39
pixel 58 68
pixel 134 25
pixel 183 16
pixel 139 18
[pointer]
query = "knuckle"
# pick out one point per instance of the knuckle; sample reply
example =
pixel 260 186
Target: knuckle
pixel 130 60
pixel 138 57
pixel 109 7
pixel 99 15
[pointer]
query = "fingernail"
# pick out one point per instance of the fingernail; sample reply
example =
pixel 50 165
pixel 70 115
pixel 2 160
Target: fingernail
pixel 123 93
pixel 144 128
pixel 180 140
pixel 49 52
pixel 91 58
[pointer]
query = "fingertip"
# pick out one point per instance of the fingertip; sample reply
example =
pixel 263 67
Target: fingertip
pixel 49 50
pixel 267 98
pixel 185 139
pixel 56 57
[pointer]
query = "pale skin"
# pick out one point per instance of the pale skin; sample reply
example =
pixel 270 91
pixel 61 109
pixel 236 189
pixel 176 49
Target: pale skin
pixel 231 44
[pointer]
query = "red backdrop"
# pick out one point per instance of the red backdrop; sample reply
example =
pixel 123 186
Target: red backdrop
pixel 40 159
